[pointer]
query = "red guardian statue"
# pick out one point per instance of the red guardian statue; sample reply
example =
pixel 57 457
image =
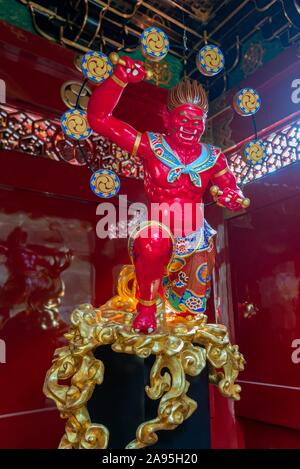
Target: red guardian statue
pixel 171 262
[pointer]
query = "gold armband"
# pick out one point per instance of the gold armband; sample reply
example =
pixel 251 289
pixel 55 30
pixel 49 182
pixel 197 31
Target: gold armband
pixel 220 173
pixel 118 81
pixel 136 144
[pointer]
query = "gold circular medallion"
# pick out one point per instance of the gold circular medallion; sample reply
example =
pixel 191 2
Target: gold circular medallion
pixel 247 102
pixel 96 66
pixel 154 44
pixel 105 183
pixel 254 152
pixel 210 60
pixel 75 125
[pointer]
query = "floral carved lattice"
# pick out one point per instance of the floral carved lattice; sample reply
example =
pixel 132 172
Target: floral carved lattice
pixel 282 147
pixel 34 134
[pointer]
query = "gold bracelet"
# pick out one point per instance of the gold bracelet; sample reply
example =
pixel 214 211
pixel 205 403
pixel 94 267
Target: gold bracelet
pixel 136 144
pixel 147 302
pixel 220 173
pixel 118 81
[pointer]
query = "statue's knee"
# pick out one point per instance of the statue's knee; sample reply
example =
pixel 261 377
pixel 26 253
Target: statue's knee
pixel 154 243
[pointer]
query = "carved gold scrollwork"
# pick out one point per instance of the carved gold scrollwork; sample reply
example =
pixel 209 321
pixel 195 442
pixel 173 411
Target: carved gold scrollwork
pixel 125 300
pixel 171 387
pixel 203 9
pixel 180 347
pixel 77 362
pixel 161 73
pixel 253 58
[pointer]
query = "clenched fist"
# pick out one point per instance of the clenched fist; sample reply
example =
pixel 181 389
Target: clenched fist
pixel 132 72
pixel 230 199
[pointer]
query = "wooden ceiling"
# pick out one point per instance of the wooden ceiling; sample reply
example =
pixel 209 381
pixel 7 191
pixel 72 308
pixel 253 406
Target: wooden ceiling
pixel 117 24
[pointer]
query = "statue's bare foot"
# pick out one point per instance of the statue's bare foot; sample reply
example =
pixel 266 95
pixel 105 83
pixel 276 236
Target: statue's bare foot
pixel 145 321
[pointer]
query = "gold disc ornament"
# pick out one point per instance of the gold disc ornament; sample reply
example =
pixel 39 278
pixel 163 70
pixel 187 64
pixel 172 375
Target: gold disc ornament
pixel 96 66
pixel 105 183
pixel 247 102
pixel 75 125
pixel 154 44
pixel 255 152
pixel 210 60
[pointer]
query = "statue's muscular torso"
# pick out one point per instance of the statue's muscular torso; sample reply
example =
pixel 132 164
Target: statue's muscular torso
pixel 159 190
pixel 182 191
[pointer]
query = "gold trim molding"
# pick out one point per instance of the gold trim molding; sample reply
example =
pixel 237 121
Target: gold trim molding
pixel 182 348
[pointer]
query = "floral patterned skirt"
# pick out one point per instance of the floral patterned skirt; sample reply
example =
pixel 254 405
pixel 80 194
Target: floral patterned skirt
pixel 187 283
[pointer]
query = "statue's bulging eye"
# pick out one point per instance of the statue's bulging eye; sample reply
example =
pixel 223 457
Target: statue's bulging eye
pixel 184 121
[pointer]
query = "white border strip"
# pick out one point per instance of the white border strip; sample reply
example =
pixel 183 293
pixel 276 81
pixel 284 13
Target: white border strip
pixel 26 412
pixel 294 388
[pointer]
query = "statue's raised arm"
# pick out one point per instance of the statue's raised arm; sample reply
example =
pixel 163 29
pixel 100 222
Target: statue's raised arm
pixel 104 100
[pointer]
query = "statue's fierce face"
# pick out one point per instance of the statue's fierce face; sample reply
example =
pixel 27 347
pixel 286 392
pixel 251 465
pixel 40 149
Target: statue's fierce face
pixel 186 124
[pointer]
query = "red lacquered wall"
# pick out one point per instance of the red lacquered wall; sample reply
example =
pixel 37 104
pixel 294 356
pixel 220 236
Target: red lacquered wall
pixel 265 436
pixel 226 431
pixel 41 221
pixel 259 263
pixel 265 272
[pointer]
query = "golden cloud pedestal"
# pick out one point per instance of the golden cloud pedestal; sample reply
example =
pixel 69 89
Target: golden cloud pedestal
pixel 180 347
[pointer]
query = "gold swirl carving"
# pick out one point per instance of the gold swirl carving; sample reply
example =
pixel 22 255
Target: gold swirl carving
pixel 77 124
pixel 69 94
pixel 249 101
pixel 155 41
pixel 212 58
pixel 180 347
pixel 255 152
pixel 125 300
pixel 105 183
pixel 97 66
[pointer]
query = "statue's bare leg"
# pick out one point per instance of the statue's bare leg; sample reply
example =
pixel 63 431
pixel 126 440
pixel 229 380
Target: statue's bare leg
pixel 152 252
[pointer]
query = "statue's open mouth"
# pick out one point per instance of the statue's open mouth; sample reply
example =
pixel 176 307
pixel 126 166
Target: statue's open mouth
pixel 186 135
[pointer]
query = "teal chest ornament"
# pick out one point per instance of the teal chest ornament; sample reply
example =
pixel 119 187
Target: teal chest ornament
pixel 168 157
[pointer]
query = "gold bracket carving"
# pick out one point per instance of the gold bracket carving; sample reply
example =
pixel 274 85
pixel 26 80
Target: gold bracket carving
pixel 181 348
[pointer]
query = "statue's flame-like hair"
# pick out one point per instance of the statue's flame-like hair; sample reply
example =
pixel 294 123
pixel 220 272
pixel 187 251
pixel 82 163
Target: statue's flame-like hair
pixel 188 92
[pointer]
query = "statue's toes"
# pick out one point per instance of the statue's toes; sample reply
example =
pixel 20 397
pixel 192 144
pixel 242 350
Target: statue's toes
pixel 144 324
